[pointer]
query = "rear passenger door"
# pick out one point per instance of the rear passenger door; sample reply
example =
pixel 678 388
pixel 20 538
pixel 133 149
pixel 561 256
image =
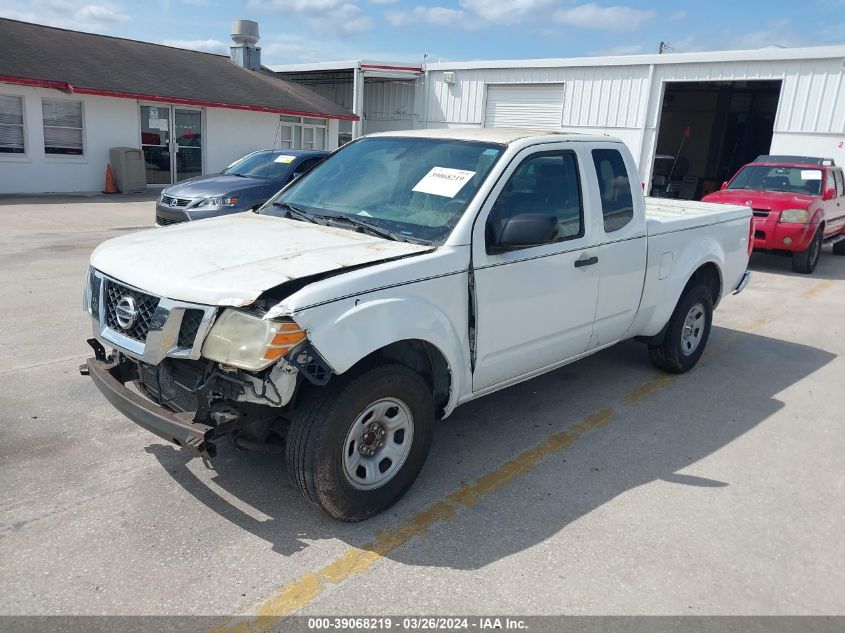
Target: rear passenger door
pixel 534 305
pixel 623 250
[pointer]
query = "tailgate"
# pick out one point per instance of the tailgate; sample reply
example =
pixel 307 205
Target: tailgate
pixel 667 215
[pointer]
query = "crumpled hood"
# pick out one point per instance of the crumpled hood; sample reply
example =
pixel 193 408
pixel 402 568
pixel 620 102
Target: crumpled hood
pixel 769 200
pixel 231 260
pixel 218 185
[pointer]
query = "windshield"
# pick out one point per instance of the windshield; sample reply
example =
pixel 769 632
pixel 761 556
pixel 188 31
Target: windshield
pixel 262 165
pixel 414 187
pixel 768 178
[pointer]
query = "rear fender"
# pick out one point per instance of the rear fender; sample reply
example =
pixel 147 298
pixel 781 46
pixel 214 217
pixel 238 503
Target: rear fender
pixel 664 294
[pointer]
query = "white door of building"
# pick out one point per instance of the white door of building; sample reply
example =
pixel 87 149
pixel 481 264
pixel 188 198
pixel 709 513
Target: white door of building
pixel 524 105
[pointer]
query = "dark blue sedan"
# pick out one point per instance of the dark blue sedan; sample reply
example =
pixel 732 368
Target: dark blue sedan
pixel 245 184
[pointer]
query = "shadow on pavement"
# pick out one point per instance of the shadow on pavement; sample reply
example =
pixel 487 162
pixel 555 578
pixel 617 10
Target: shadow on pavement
pixel 679 425
pixel 830 266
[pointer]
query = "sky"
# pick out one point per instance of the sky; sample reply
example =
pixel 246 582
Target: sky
pixel 300 31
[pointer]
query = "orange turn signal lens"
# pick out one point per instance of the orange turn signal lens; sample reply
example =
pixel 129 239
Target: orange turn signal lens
pixel 274 353
pixel 288 338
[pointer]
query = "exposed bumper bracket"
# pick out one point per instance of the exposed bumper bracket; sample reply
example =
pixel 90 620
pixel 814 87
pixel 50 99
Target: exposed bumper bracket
pixel 177 428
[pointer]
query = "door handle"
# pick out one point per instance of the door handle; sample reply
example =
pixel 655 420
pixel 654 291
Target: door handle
pixel 586 261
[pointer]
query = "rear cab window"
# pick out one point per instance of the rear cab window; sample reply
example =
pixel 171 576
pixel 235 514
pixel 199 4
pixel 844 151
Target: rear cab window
pixel 617 202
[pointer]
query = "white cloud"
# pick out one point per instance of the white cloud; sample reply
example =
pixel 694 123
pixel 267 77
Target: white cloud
pixel 327 17
pixel 65 13
pixel 431 15
pixel 593 16
pixel 504 11
pixel 209 46
pixel 472 13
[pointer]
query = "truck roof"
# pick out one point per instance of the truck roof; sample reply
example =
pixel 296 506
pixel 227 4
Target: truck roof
pixel 500 135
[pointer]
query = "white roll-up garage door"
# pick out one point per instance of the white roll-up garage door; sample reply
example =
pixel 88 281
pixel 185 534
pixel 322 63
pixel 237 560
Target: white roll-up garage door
pixel 524 105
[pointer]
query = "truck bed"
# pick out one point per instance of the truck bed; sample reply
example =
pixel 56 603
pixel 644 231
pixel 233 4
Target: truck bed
pixel 667 215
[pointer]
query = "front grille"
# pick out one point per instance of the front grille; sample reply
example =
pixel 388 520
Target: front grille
pixel 167 201
pixel 145 306
pixel 163 221
pixel 182 384
pixel 760 213
pixel 191 321
pixel 176 389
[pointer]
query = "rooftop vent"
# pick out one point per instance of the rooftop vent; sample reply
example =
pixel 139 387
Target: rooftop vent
pixel 245 53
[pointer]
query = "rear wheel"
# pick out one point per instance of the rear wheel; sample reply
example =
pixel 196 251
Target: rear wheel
pixel 687 332
pixel 356 445
pixel 839 247
pixel 805 262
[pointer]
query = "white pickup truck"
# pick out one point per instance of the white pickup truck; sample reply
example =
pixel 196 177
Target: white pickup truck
pixel 409 273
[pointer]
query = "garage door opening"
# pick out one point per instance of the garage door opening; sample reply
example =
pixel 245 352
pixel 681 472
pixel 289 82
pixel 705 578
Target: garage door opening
pixel 708 130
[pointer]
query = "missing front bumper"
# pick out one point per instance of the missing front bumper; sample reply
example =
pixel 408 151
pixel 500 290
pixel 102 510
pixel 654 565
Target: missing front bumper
pixel 178 428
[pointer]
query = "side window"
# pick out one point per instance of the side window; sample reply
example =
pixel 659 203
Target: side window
pixel 545 183
pixel 617 203
pixel 308 165
pixel 840 185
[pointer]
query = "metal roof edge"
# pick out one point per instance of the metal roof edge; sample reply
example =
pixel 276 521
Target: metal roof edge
pixel 763 54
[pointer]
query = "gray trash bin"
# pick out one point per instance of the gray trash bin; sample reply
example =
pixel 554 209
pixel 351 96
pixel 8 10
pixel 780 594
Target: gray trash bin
pixel 127 164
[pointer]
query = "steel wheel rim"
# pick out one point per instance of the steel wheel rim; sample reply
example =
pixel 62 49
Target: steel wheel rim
pixel 389 421
pixel 693 329
pixel 817 249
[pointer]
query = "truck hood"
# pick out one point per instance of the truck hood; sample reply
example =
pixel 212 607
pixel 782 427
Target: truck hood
pixel 231 260
pixel 768 200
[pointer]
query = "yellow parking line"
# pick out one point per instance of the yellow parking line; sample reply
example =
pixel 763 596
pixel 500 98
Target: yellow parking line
pixel 300 593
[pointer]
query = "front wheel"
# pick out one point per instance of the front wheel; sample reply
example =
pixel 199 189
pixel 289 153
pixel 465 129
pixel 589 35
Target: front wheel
pixel 356 445
pixel 687 332
pixel 805 262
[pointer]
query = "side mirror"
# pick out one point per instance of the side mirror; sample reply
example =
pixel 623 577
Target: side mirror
pixel 724 186
pixel 522 231
pixel 829 194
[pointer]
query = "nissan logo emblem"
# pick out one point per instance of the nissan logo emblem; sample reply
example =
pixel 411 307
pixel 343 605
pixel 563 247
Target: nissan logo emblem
pixel 126 312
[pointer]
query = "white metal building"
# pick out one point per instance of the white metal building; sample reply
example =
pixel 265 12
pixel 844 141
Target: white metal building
pixel 714 110
pixel 382 94
pixel 700 115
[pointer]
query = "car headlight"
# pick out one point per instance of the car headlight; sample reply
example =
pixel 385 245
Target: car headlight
pixel 795 216
pixel 249 342
pixel 223 201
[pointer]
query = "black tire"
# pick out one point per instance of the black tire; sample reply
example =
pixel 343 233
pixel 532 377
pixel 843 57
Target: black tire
pixel 674 354
pixel 839 247
pixel 806 261
pixel 318 433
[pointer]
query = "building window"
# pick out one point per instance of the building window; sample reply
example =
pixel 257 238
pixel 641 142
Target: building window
pixel 11 125
pixel 302 132
pixel 63 127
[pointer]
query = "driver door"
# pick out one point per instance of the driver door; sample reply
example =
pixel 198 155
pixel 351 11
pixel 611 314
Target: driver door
pixel 535 305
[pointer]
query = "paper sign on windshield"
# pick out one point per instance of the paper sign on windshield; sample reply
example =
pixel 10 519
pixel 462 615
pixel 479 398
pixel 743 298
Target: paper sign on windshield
pixel 284 158
pixel 443 181
pixel 811 174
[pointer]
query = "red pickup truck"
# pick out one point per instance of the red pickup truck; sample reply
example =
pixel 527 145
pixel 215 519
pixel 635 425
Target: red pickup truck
pixel 798 204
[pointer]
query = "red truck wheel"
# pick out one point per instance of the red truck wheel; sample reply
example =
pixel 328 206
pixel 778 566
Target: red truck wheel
pixel 805 262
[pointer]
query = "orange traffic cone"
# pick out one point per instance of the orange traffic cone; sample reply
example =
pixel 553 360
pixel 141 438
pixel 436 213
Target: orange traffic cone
pixel 110 186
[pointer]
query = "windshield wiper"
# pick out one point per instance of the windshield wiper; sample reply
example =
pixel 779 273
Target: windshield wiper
pixel 366 227
pixel 296 213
